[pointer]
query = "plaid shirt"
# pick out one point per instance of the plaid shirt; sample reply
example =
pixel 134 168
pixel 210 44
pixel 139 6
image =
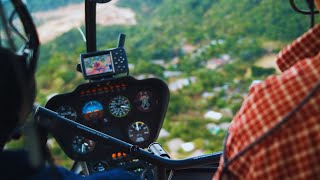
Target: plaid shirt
pixel 293 151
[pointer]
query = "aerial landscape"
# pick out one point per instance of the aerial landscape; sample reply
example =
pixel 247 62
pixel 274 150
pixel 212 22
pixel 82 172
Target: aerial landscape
pixel 209 52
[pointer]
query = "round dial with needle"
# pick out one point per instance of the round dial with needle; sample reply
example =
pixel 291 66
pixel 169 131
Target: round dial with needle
pixel 67 112
pixel 139 132
pixel 92 110
pixel 119 106
pixel 82 145
pixel 144 101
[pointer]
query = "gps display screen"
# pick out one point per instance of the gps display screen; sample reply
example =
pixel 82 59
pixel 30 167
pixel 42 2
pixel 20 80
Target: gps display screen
pixel 99 64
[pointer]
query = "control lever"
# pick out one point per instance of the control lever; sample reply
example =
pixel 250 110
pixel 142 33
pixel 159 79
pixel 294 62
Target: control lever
pixel 51 121
pixel 158 150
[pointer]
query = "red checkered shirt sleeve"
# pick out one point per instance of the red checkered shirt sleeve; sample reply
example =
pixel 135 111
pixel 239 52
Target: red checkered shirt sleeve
pixel 306 46
pixel 293 152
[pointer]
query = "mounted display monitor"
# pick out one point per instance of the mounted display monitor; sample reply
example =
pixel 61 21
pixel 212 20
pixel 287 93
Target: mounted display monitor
pixel 98 64
pixel 101 64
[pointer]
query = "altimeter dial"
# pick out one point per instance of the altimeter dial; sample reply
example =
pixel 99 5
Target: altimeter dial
pixel 119 106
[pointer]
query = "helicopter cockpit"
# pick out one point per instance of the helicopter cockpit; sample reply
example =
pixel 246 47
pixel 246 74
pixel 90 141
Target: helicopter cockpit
pixel 116 106
pixel 113 120
pixel 128 109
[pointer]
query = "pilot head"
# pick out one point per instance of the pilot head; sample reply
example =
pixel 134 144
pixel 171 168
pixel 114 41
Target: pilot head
pixel 18 58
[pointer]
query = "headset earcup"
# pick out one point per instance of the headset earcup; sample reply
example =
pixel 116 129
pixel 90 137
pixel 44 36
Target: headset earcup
pixel 17 93
pixel 10 94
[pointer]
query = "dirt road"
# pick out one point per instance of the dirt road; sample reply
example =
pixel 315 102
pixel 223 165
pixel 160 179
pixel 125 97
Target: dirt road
pixel 55 22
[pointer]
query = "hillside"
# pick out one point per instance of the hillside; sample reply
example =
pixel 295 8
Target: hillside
pixel 171 21
pixel 164 26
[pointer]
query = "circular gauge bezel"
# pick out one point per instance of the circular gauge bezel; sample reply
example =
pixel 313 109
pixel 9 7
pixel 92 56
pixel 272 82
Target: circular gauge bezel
pixel 139 102
pixel 100 166
pixel 93 114
pixel 70 109
pixel 144 132
pixel 125 112
pixel 87 143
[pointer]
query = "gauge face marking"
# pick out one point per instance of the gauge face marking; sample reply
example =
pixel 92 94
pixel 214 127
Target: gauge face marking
pixel 138 132
pixel 99 167
pixel 68 112
pixel 119 106
pixel 82 145
pixel 92 110
pixel 144 101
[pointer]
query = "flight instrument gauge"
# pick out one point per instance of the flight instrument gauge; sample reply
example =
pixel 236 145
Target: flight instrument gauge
pixel 67 112
pixel 92 110
pixel 143 101
pixel 119 106
pixel 138 132
pixel 82 145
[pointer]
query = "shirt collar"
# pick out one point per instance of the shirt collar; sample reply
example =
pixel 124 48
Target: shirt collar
pixel 306 46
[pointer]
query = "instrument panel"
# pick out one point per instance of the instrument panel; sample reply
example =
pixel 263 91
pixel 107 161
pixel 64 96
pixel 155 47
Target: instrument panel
pixel 128 109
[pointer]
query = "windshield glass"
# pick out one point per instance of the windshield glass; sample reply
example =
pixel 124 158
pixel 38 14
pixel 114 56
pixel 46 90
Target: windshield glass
pixel 12 35
pixel 208 52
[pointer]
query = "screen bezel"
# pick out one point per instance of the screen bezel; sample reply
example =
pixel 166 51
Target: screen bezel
pixel 93 54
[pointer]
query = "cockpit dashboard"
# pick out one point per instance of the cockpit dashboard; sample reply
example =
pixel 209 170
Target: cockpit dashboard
pixel 126 108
